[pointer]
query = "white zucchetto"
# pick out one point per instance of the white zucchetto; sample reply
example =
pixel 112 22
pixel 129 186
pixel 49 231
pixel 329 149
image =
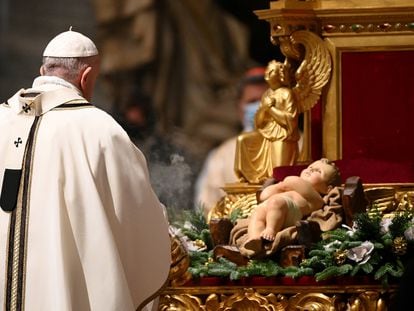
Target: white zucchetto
pixel 70 44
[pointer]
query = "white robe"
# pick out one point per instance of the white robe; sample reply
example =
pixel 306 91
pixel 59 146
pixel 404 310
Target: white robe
pixel 95 236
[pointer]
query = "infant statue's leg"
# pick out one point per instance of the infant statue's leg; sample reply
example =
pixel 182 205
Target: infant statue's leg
pixel 276 212
pixel 257 222
pixel 266 220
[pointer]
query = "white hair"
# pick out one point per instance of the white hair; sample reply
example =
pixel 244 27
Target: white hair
pixel 67 68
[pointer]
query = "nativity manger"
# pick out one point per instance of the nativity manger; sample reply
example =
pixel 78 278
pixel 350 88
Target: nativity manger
pixel 348 70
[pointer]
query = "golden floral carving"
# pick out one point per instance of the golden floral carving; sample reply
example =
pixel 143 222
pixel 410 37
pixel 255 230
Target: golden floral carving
pixel 182 302
pixel 238 196
pixel 246 300
pixel 311 301
pixel 278 298
pixel 368 301
pixel 180 261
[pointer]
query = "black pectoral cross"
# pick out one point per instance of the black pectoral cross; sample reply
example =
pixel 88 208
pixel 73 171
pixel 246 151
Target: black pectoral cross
pixel 26 108
pixel 17 142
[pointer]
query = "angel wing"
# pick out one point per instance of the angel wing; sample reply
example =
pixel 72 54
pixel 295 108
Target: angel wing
pixel 313 72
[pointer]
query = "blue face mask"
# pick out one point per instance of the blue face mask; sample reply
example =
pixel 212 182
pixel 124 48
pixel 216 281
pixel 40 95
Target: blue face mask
pixel 248 115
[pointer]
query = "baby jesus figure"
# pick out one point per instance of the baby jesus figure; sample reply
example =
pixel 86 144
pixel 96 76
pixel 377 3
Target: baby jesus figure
pixel 290 200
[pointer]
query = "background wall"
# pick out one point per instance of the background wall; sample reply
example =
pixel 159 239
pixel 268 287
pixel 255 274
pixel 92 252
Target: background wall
pixel 184 56
pixel 25 29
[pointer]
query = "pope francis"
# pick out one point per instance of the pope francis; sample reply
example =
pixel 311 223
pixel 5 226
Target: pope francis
pixel 80 226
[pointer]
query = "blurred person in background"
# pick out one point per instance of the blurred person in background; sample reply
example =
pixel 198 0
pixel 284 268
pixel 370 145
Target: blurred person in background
pixel 218 168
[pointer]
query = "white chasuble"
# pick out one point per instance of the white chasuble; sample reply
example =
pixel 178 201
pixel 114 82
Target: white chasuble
pixel 80 226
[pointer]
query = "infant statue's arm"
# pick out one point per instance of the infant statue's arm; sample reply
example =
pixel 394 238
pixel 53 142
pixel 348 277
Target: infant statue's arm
pixel 288 184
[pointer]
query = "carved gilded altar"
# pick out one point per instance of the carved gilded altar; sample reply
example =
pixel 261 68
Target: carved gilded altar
pixel 277 298
pixel 345 27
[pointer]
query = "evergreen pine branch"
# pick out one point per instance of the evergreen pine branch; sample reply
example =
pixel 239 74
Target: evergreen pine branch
pixel 367 267
pixel 355 270
pixel 199 258
pixel 194 225
pixel 237 274
pixel 332 271
pixel 388 269
pixel 319 253
pixel 319 260
pixel 205 235
pixel 198 271
pixel 307 271
pixel 295 272
pixel 399 264
pixel 269 268
pixel 314 263
pixel 310 262
pixel 378 245
pixel 250 270
pixel 387 239
pixel 191 234
pixel 261 267
pixel 291 271
pixel 400 223
pixel 375 259
pixel 350 244
pixel 222 268
pixel 227 263
pixel 397 272
pixel 369 226
pixel 337 234
pixel 196 218
pixel 218 271
pixel 319 245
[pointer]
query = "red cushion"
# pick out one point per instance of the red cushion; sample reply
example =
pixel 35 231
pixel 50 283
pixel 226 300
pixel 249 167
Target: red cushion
pixel 377 171
pixel 279 173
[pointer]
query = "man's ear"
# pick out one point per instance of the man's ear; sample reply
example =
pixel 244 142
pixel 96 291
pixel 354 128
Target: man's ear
pixel 84 80
pixel 42 70
pixel 86 83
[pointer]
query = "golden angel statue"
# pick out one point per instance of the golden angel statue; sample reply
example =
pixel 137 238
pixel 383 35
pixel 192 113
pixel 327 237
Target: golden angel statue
pixel 274 142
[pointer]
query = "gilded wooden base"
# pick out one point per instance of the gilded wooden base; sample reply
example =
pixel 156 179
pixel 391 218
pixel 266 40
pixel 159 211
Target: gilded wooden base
pixel 293 297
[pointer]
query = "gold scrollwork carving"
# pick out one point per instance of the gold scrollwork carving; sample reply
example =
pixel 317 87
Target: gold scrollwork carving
pixel 405 201
pixel 246 300
pixel 367 301
pixel 312 301
pixel 182 302
pixel 277 299
pixel 389 200
pixel 238 196
pixel 244 202
pixel 382 198
pixel 180 261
